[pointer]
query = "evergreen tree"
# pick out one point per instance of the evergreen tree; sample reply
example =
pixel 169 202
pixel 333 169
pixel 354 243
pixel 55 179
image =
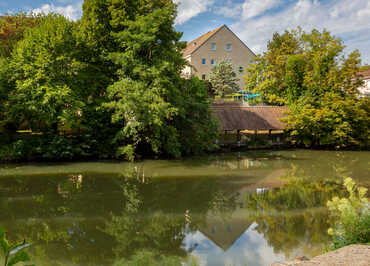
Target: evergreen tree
pixel 223 78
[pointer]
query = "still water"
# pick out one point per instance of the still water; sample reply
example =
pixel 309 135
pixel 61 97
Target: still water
pixel 250 208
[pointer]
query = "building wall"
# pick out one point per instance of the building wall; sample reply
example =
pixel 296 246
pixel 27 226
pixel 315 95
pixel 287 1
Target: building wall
pixel 187 71
pixel 239 55
pixel 365 89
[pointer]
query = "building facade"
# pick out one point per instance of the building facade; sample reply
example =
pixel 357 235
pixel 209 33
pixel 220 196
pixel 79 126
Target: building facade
pixel 365 88
pixel 206 51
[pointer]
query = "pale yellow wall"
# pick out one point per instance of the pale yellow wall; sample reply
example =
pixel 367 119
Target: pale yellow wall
pixel 240 55
pixel 187 71
pixel 365 89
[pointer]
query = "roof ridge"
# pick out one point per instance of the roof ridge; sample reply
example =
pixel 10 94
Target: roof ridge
pixel 196 43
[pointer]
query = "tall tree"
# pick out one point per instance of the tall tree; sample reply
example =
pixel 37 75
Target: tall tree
pixel 309 73
pixel 223 78
pixel 45 73
pixel 148 98
pixel 12 28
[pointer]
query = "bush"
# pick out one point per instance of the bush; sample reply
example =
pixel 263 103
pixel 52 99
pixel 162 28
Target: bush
pixel 55 147
pixel 351 216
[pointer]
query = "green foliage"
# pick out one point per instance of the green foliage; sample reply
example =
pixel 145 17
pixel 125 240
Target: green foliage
pixel 55 148
pixel 44 70
pixel 223 78
pixel 13 253
pixel 12 28
pixel 309 73
pixel 110 80
pixel 351 215
pixel 365 67
pixel 150 100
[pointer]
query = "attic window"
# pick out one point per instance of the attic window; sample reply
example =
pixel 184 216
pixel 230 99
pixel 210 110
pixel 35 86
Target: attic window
pixel 213 46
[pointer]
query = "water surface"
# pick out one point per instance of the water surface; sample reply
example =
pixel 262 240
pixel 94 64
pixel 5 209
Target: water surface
pixel 250 208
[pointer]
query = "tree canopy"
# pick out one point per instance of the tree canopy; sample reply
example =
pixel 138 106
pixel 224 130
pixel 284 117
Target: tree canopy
pixel 310 73
pixel 223 78
pixel 113 78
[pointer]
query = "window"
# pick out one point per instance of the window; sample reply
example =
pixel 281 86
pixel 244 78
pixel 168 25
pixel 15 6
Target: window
pixel 212 62
pixel 213 46
pixel 241 69
pixel 251 61
pixel 204 61
pixel 228 47
pixel 204 76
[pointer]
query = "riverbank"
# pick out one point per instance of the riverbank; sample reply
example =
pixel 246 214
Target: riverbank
pixel 353 255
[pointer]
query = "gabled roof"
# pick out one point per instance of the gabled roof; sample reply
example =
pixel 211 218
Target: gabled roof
pixel 195 44
pixel 234 117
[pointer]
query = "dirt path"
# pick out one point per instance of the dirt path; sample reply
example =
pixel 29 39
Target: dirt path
pixel 353 255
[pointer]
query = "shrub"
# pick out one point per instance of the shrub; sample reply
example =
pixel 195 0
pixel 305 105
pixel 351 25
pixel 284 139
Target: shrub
pixel 351 216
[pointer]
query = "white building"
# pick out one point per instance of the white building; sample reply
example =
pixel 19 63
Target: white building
pixel 365 89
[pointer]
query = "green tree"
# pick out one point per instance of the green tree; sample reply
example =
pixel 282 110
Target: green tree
pixel 309 73
pixel 352 216
pixel 45 74
pixel 154 107
pixel 223 78
pixel 12 28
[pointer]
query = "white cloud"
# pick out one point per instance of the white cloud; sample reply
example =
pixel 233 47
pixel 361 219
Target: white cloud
pixel 253 8
pixel 191 8
pixel 348 19
pixel 229 11
pixel 72 11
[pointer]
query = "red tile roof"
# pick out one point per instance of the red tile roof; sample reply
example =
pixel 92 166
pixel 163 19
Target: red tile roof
pixel 195 44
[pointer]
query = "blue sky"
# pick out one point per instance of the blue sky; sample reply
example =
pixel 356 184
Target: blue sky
pixel 254 21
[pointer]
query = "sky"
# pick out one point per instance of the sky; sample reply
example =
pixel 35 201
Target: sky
pixel 254 21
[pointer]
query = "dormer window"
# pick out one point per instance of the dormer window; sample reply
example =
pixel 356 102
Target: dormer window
pixel 228 47
pixel 213 46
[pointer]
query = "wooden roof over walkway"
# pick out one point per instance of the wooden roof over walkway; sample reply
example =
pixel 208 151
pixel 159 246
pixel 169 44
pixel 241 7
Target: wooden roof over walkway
pixel 233 116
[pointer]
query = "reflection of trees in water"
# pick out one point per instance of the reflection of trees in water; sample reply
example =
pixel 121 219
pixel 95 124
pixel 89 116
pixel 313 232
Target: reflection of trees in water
pixel 139 214
pixel 157 215
pixel 294 215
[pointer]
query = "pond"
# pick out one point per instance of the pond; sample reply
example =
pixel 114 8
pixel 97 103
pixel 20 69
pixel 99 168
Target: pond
pixel 248 208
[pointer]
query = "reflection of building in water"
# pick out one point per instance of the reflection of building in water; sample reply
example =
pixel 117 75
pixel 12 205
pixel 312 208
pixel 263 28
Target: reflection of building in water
pixel 74 182
pixel 223 229
pixel 224 232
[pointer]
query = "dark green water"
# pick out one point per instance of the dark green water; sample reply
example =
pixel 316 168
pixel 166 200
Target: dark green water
pixel 250 208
